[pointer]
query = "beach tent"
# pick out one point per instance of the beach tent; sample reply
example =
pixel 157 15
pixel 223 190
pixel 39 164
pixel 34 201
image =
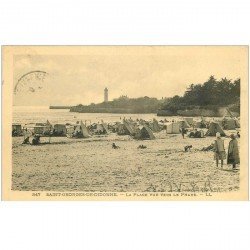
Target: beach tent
pixel 184 124
pixel 101 128
pixel 217 121
pixel 144 133
pixel 43 128
pixel 200 124
pixel 78 130
pixel 16 129
pixel 189 120
pixel 85 131
pixel 105 126
pixel 228 113
pixel 237 122
pixel 154 126
pixel 125 129
pixel 214 127
pixel 129 126
pixel 173 128
pixel 82 130
pixel 121 130
pixel 59 130
pixel 228 123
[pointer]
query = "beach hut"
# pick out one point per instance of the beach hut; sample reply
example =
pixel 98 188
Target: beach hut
pixel 144 133
pixel 173 128
pixel 16 129
pixel 59 130
pixel 214 127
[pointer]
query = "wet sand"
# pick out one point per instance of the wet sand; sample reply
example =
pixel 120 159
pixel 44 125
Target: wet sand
pixel 92 165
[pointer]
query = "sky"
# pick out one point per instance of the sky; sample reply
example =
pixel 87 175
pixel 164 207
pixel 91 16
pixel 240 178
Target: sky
pixel 135 71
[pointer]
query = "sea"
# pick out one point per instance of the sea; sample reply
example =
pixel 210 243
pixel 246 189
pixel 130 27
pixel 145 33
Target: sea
pixel 40 114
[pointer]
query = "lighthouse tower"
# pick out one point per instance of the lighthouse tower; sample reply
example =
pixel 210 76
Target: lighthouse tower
pixel 106 95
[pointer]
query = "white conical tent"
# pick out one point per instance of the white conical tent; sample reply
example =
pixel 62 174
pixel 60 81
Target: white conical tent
pixel 214 127
pixel 84 130
pixel 79 130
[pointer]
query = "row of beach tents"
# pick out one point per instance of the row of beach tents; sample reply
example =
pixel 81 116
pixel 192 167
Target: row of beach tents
pixel 139 129
pixel 80 130
pixel 47 129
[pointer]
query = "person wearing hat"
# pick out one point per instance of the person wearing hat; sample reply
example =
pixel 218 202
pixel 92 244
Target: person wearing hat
pixel 219 150
pixel 233 152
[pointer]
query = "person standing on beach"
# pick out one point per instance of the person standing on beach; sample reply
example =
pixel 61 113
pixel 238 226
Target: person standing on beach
pixel 233 152
pixel 183 131
pixel 219 150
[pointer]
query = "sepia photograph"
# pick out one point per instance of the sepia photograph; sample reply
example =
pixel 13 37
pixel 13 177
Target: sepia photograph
pixel 125 122
pixel 124 125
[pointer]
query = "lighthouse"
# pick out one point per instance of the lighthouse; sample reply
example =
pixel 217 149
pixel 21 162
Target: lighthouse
pixel 106 95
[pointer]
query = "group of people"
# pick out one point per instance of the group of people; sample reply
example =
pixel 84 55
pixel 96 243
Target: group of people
pixel 193 134
pixel 233 157
pixel 35 140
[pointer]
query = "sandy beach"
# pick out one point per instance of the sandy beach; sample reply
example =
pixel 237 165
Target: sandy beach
pixel 92 165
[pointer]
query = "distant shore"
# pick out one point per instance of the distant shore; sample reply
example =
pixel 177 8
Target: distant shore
pixel 60 107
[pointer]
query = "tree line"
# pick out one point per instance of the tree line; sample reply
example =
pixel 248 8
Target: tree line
pixel 211 95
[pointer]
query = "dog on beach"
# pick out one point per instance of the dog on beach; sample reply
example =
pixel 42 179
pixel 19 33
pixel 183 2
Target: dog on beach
pixel 187 148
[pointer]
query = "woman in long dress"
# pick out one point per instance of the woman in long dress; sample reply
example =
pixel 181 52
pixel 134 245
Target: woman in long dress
pixel 233 156
pixel 219 150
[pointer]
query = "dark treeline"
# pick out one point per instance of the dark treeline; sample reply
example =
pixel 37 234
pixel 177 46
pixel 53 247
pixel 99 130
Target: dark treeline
pixel 122 104
pixel 211 95
pixel 141 104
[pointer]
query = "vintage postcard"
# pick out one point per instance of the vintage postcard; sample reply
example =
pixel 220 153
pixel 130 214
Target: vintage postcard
pixel 125 123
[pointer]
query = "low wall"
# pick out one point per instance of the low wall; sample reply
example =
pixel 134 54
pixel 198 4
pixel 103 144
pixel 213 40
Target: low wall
pixel 194 112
